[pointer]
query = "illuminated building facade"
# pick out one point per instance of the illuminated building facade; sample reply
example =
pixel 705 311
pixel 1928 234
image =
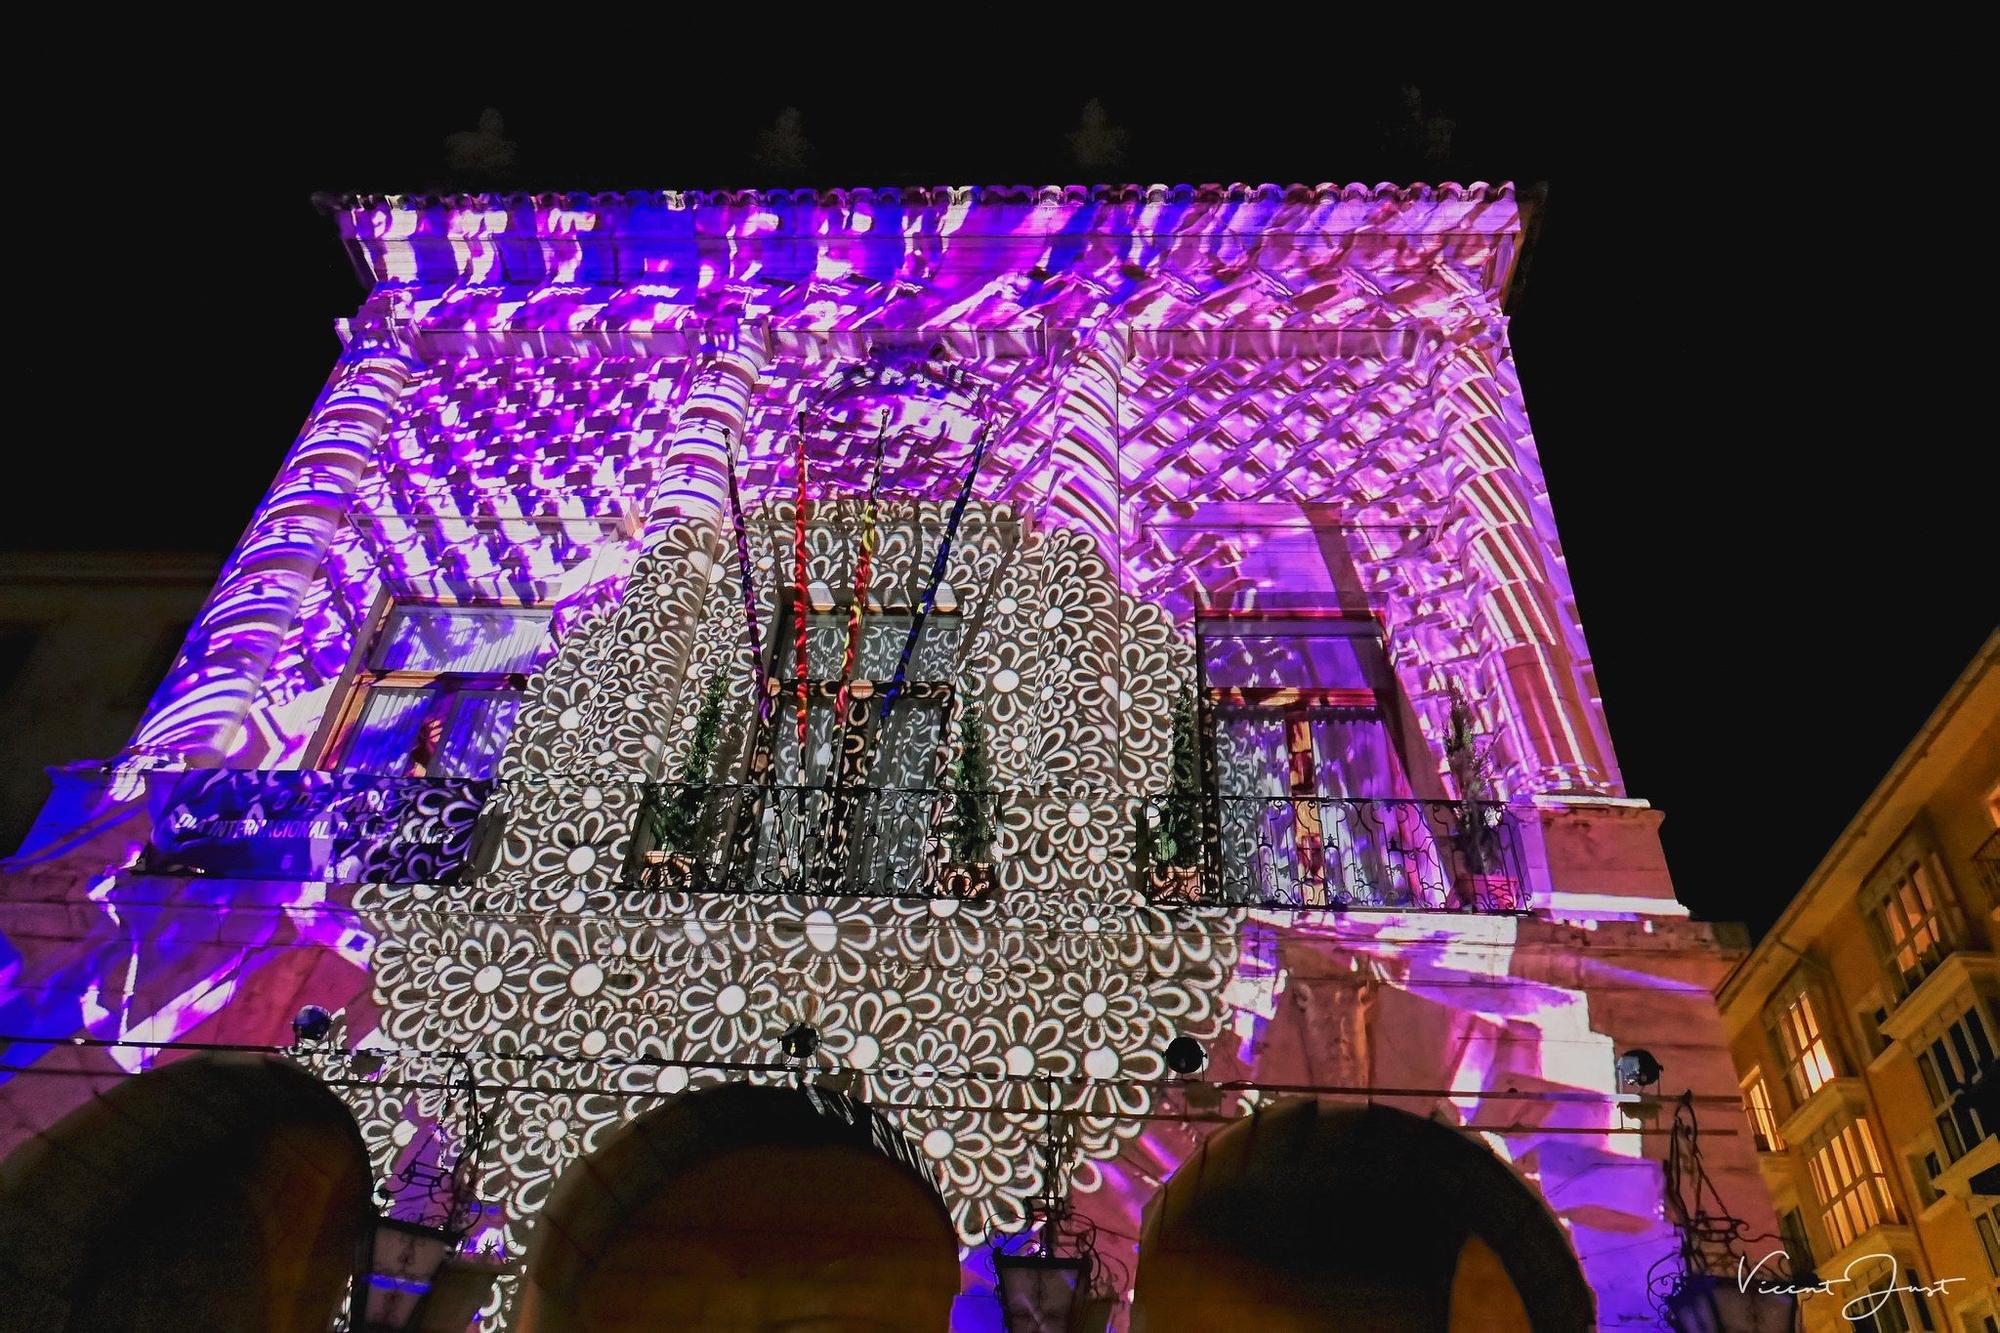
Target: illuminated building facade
pixel 1864 1032
pixel 774 713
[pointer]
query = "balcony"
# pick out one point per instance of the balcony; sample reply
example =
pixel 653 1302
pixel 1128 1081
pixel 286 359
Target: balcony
pixel 1312 852
pixel 1987 862
pixel 308 825
pixel 852 841
pixel 1950 986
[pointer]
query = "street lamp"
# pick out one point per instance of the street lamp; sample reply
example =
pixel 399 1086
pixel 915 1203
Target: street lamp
pixel 1041 1293
pixel 1049 1291
pixel 411 1276
pixel 393 1290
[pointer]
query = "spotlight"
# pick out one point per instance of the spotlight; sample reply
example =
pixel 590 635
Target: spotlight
pixel 1186 1057
pixel 800 1041
pixel 312 1024
pixel 1638 1069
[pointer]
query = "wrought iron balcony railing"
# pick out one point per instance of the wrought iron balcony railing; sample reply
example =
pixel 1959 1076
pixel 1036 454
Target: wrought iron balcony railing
pixel 852 841
pixel 304 824
pixel 1341 852
pixel 1987 860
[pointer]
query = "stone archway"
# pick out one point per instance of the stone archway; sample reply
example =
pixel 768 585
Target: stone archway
pixel 745 1209
pixel 221 1192
pixel 1319 1215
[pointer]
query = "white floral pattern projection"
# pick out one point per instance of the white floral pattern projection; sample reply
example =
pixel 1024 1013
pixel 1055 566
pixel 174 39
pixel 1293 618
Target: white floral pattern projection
pixel 953 1013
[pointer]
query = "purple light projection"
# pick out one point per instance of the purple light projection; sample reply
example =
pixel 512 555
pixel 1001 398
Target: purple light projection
pixel 1201 401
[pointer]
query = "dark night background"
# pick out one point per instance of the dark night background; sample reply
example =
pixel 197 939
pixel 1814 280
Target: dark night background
pixel 1775 490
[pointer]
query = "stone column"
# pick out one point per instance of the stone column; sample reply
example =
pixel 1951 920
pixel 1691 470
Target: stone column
pixel 687 520
pixel 199 708
pixel 1084 485
pixel 1083 477
pixel 693 484
pixel 1503 540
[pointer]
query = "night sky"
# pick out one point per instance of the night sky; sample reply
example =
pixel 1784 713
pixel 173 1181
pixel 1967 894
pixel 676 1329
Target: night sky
pixel 1774 481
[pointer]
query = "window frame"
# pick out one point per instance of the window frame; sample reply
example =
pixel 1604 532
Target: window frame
pixel 1846 1148
pixel 1295 704
pixel 1762 1112
pixel 1792 1058
pixel 446 688
pixel 1940 1039
pixel 933 694
pixel 1914 862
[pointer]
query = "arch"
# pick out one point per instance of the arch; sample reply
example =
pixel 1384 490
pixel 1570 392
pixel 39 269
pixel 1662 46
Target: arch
pixel 1319 1215
pixel 223 1191
pixel 740 1208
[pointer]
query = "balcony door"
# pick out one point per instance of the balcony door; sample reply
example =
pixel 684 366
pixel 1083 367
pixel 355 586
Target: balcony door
pixel 851 809
pixel 1313 792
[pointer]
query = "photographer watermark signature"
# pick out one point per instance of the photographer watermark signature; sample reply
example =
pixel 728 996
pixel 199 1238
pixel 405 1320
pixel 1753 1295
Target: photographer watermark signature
pixel 1856 1309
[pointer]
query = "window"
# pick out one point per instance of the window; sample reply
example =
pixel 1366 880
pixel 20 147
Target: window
pixel 1989 1237
pixel 854 806
pixel 1808 1062
pixel 1314 796
pixel 1952 1062
pixel 439 690
pixel 1763 1117
pixel 900 754
pixel 1847 1176
pixel 1303 709
pixel 1906 907
pixel 1887 1305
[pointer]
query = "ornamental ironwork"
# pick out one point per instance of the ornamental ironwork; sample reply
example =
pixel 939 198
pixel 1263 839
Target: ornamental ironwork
pixel 1341 852
pixel 836 840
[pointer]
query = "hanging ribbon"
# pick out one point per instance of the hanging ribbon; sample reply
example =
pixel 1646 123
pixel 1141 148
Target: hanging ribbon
pixel 863 570
pixel 751 630
pixel 937 573
pixel 804 608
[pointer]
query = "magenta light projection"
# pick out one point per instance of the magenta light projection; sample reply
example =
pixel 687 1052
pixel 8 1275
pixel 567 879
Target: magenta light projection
pixel 1262 445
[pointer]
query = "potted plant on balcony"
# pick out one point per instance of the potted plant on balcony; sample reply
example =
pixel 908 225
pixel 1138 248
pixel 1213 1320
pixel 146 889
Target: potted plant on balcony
pixel 1479 871
pixel 1169 832
pixel 670 818
pixel 967 872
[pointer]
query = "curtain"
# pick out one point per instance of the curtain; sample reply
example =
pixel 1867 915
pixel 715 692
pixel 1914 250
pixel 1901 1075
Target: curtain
pixel 465 640
pixel 476 736
pixel 385 735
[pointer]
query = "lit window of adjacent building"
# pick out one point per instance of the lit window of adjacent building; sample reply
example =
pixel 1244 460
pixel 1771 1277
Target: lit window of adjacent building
pixel 1847 1176
pixel 1906 904
pixel 1763 1117
pixel 1808 1061
pixel 1950 1064
pixel 439 689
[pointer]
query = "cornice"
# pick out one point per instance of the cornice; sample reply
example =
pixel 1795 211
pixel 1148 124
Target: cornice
pixel 924 196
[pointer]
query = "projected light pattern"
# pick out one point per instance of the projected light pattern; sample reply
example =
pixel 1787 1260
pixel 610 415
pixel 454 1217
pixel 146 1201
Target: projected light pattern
pixel 1295 402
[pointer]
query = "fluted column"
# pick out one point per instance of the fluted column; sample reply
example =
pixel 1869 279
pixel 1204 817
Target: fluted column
pixel 200 707
pixel 694 482
pixel 1084 480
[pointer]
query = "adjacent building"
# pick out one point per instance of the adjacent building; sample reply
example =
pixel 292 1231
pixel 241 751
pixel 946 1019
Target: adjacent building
pixel 887 758
pixel 1863 1030
pixel 84 638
